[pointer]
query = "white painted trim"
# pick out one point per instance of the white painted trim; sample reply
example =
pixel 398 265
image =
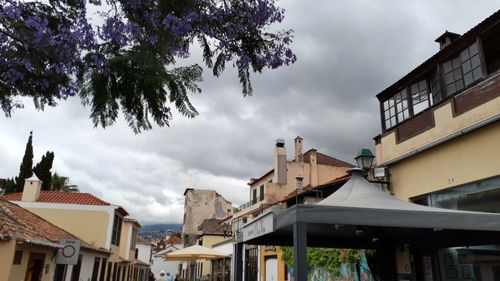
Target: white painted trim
pixel 46 205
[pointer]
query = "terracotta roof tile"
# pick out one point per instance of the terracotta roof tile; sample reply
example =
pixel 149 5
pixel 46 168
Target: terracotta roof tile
pixel 22 225
pixel 61 198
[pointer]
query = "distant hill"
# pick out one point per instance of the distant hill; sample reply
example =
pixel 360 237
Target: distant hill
pixel 159 230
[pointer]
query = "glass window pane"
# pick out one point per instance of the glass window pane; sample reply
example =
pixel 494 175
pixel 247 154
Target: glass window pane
pixel 414 88
pixel 456 63
pixel 465 55
pixel 392 111
pixel 405 104
pixel 393 121
pixel 468 78
pixel 400 117
pixel 466 66
pixel 477 73
pixel 417 108
pixel 448 78
pixel 388 123
pixel 423 95
pixel 473 49
pixel 386 105
pixel 422 85
pixel 457 73
pixel 475 61
pixel 450 89
pixel 447 66
pixel 415 98
pixel 459 84
pixel 399 107
pixel 391 102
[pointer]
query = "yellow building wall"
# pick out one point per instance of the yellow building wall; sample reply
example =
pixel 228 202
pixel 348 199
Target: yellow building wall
pixel 7 250
pixel 115 251
pixel 90 226
pixel 124 240
pixel 209 241
pixel 18 272
pixel 469 158
pixel 272 252
pixel 445 125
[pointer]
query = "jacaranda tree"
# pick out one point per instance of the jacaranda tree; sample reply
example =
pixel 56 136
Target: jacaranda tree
pixel 125 60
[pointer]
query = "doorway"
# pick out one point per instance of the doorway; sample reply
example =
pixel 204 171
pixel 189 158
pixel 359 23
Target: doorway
pixel 34 270
pixel 271 268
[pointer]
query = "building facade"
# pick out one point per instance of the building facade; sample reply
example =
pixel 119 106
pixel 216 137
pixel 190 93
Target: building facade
pixel 440 140
pixel 306 171
pixel 95 221
pixel 30 248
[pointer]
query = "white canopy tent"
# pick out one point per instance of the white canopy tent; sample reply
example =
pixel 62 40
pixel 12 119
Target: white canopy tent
pixel 361 215
pixel 195 252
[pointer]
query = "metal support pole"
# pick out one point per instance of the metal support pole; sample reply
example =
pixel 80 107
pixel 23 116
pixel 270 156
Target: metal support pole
pixel 238 262
pixel 300 250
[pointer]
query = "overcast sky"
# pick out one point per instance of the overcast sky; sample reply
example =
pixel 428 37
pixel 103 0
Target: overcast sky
pixel 348 51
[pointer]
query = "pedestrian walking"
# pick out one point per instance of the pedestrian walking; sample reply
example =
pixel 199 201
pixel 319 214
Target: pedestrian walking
pixel 162 276
pixel 169 277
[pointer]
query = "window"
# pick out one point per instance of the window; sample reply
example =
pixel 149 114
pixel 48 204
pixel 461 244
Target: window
pixel 117 230
pixel 420 96
pixel 453 79
pixel 254 196
pixel 261 192
pixel 103 268
pixel 436 87
pixel 18 257
pixel 471 64
pixel 396 109
pixel 133 238
pixel 95 269
pixel 75 274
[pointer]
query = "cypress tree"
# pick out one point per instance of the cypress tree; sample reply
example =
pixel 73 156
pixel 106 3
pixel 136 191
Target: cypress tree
pixel 26 169
pixel 10 186
pixel 42 170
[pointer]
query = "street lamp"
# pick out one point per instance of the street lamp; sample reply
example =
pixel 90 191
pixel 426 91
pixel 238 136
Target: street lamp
pixel 364 158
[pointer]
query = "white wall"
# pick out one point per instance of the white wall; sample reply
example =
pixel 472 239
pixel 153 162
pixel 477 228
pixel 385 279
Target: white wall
pixel 160 264
pixel 87 266
pixel 144 252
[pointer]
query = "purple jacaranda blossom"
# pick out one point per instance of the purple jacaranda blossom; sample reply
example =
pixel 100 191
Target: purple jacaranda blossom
pixel 176 25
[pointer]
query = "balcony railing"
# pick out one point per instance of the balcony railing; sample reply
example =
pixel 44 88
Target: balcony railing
pixel 246 205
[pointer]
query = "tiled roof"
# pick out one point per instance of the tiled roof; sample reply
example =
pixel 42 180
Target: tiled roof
pixel 339 180
pixel 24 226
pixel 429 64
pixel 173 240
pixel 323 159
pixel 61 198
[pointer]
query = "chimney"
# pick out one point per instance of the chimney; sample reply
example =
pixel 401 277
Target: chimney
pixel 32 187
pixel 446 39
pixel 313 161
pixel 299 184
pixel 280 162
pixel 299 145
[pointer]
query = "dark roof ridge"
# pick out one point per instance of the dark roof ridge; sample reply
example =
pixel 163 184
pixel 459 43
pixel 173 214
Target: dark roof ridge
pixel 441 54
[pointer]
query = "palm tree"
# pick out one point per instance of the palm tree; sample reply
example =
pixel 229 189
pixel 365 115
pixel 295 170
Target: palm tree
pixel 60 183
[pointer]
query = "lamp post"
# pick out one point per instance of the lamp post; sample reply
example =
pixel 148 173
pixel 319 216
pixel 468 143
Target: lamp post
pixel 364 158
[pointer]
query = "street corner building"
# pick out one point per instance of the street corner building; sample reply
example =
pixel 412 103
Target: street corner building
pixel 95 222
pixel 30 249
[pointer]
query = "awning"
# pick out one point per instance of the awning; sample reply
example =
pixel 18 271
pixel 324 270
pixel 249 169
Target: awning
pixel 195 252
pixel 360 214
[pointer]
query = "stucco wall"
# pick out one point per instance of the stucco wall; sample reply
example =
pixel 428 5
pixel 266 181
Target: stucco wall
pixel 468 158
pixel 125 237
pixel 18 272
pixel 90 226
pixel 144 254
pixel 203 204
pixel 7 250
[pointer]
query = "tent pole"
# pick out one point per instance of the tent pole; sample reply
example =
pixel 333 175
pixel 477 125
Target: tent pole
pixel 300 250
